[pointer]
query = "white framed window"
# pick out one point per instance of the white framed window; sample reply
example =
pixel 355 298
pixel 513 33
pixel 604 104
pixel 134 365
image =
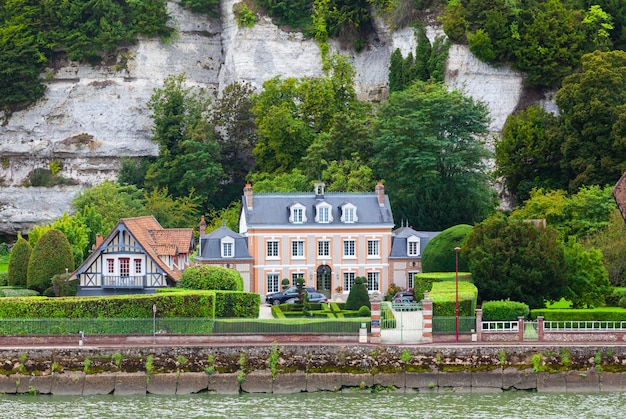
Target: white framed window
pixel 413 246
pixel 297 248
pixel 348 214
pixel 348 280
pixel 138 266
pixel 111 266
pixel 323 213
pixel 298 214
pixel 373 248
pixel 349 248
pixel 323 248
pixel 373 281
pixel 272 248
pixel 273 282
pixel 295 276
pixel 228 247
pixel 124 266
pixel 411 279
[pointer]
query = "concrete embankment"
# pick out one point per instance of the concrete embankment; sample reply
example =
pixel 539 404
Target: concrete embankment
pixel 298 368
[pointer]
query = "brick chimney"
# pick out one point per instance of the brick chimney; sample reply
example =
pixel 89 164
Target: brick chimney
pixel 380 194
pixel 247 194
pixel 99 240
pixel 202 227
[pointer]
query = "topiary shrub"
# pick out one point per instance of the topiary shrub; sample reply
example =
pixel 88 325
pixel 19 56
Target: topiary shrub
pixel 504 310
pixel 211 277
pixel 358 296
pixel 18 263
pixel 52 255
pixel 62 287
pixel 439 254
pixel 365 311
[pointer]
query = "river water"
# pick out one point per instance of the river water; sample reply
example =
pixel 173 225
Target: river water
pixel 513 404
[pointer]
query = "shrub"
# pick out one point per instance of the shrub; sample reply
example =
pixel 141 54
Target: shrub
pixel 237 304
pixel 358 296
pixel 609 314
pixel 613 299
pixel 4 278
pixel 18 263
pixel 244 16
pixel 211 277
pixel 365 311
pixel 443 295
pixel 62 287
pixel 439 254
pixel 52 255
pixel 504 310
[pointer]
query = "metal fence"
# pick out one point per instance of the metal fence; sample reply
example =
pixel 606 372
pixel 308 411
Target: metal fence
pixel 500 326
pixel 583 326
pixel 182 326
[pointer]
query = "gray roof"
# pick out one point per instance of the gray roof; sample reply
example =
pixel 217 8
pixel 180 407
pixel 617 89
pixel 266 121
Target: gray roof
pixel 210 245
pixel 273 208
pixel 399 240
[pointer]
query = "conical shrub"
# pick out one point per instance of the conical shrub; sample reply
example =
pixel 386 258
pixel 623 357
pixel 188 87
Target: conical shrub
pixel 51 256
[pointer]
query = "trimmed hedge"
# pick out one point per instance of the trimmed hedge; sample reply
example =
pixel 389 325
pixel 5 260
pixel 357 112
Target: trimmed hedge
pixel 609 314
pixel 439 254
pixel 424 282
pixel 18 263
pixel 443 295
pixel 504 310
pixel 181 304
pixel 211 277
pixel 52 255
pixel 17 292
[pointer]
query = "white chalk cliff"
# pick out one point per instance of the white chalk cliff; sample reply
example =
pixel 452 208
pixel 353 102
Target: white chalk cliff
pixel 90 117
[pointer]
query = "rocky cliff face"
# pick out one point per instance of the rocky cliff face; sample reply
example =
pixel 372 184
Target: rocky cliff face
pixel 92 116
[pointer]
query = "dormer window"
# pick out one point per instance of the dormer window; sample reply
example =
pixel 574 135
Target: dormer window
pixel 298 214
pixel 228 247
pixel 348 214
pixel 413 246
pixel 323 213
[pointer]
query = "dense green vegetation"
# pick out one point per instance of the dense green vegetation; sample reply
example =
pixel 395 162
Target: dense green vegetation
pixel 18 263
pixel 34 33
pixel 51 256
pixel 546 39
pixel 210 277
pixel 439 254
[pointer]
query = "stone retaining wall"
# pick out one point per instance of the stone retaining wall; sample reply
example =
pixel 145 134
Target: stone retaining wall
pixel 310 368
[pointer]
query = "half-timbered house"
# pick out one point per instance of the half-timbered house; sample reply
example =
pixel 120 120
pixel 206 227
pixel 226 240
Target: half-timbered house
pixel 137 257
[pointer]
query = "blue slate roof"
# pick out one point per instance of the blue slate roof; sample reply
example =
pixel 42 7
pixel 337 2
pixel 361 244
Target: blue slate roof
pixel 399 240
pixel 273 208
pixel 210 245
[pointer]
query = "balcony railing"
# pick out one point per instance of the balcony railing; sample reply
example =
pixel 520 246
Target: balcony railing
pixel 137 281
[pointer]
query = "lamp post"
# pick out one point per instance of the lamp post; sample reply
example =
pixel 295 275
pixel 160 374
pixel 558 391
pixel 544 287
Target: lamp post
pixel 456 311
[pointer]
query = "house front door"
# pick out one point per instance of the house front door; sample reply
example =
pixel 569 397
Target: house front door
pixel 324 280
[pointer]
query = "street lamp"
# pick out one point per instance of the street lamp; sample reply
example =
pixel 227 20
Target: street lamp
pixel 456 250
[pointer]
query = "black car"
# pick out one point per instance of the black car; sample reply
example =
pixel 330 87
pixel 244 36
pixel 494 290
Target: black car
pixel 280 297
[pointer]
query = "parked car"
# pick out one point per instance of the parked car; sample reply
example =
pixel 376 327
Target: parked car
pixel 404 297
pixel 280 297
pixel 314 297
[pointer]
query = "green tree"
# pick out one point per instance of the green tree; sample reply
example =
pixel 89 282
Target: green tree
pixel 587 279
pixel 578 215
pixel 358 296
pixel 529 153
pixel 18 262
pixel 551 42
pixel 229 216
pixel 611 241
pixel 591 104
pixel 514 259
pixel 51 256
pixel 236 133
pixel 209 7
pixel 189 155
pixel 429 149
pixel 349 176
pixel 172 213
pixel 133 171
pixel 75 231
pixel 423 52
pixel 439 254
pixel 295 181
pixel 112 202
